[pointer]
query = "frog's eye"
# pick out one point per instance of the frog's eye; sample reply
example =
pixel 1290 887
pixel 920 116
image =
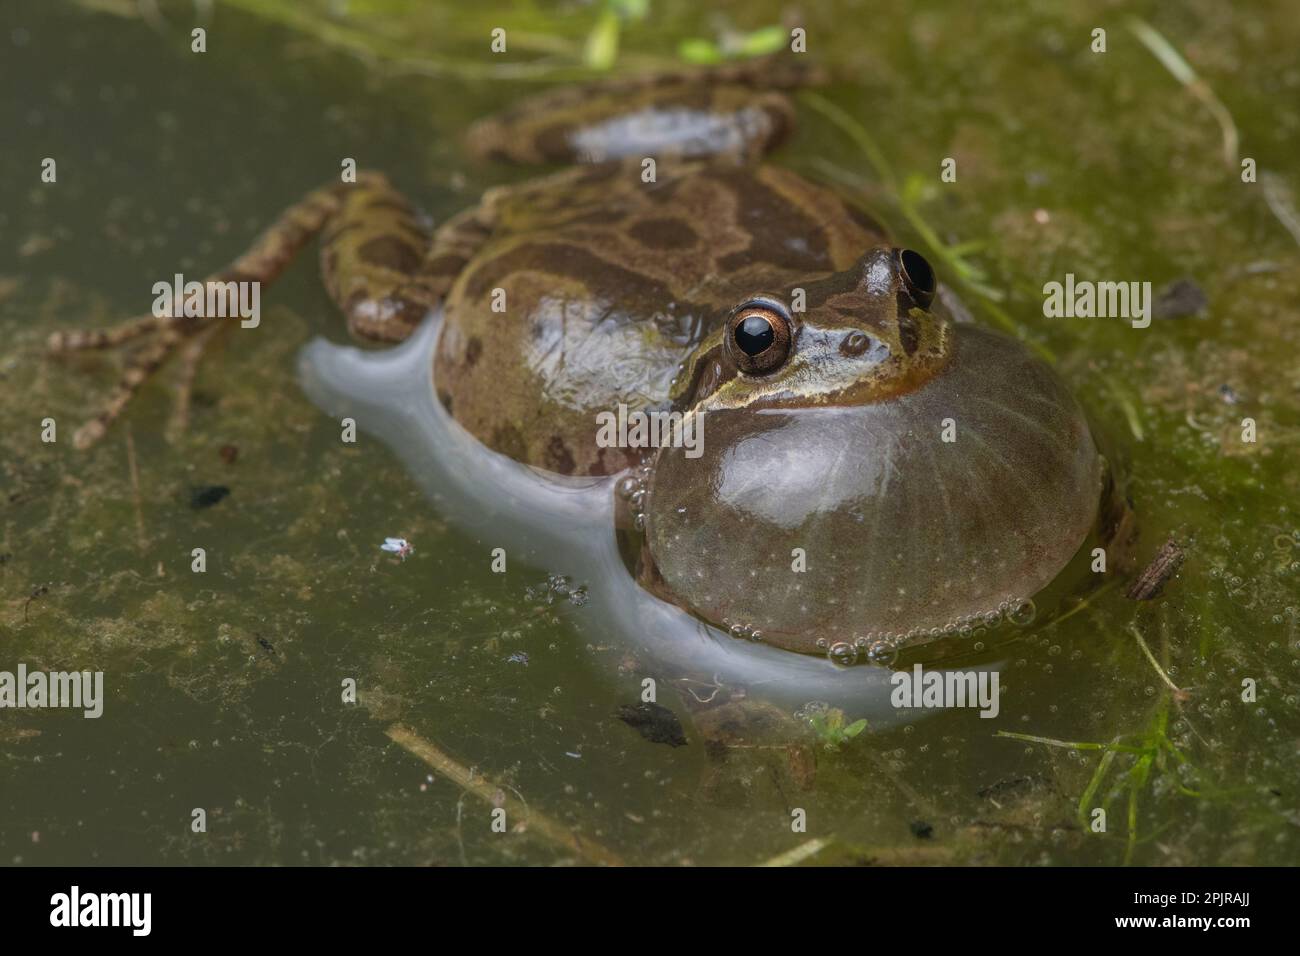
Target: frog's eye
pixel 918 277
pixel 759 336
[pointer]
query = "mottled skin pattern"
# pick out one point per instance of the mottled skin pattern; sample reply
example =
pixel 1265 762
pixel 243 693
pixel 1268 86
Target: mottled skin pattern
pixel 609 282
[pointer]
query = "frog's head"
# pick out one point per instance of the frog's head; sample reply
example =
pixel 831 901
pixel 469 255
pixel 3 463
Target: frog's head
pixel 864 471
pixel 860 335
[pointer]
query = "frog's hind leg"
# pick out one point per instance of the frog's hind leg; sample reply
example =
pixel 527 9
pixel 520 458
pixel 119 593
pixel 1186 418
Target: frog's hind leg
pixel 374 254
pixel 739 111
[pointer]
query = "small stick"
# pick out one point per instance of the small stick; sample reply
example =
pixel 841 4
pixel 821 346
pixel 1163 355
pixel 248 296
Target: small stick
pixel 907 855
pixel 800 853
pixel 37 591
pixel 1162 567
pixel 135 490
pixel 489 792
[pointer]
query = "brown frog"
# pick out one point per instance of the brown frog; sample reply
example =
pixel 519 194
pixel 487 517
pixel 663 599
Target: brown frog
pixel 873 473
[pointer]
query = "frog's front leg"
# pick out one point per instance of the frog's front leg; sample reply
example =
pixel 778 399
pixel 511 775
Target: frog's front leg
pixel 377 263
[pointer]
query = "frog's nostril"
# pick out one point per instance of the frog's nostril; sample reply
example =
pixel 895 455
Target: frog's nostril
pixel 854 344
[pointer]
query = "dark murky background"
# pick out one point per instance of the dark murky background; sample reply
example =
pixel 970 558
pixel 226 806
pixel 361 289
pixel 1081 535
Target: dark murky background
pixel 1099 164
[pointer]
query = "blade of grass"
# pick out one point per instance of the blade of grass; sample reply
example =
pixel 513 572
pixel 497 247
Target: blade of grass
pixel 1182 71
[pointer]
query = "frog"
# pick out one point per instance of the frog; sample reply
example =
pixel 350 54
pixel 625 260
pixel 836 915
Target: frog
pixel 671 265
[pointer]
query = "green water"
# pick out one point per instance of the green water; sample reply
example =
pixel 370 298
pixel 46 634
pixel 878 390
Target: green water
pixel 1069 161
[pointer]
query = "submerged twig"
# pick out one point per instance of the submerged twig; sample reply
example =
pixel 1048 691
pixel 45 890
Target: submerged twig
pixel 135 490
pixel 1069 744
pixel 489 792
pixel 803 851
pixel 1084 603
pixel 1278 198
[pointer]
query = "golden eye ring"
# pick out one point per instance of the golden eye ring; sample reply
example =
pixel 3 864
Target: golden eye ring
pixel 759 336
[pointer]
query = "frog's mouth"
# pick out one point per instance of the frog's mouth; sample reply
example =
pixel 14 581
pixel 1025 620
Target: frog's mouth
pixel 831 367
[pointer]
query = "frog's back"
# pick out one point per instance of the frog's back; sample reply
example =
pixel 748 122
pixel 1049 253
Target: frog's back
pixel 594 285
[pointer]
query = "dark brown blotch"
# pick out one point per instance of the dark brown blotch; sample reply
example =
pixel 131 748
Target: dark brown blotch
pixel 473 351
pixel 664 234
pixel 390 252
pixel 388 202
pixel 558 457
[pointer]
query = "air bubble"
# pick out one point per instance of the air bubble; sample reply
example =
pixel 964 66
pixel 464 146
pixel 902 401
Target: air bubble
pixel 882 654
pixel 1022 613
pixel 843 653
pixel 813 708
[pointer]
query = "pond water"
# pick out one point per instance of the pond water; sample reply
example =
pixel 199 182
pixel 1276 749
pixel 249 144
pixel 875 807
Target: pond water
pixel 223 690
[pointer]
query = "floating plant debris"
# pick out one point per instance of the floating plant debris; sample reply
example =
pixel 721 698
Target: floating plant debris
pixel 207 495
pixel 655 722
pixel 1163 567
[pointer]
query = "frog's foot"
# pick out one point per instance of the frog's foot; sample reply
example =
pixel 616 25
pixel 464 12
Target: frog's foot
pixel 167 336
pixel 164 332
pixel 377 263
pixel 191 356
pixel 739 111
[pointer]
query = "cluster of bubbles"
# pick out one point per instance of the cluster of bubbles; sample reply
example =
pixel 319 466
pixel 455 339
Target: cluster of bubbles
pixel 882 649
pixel 632 489
pixel 555 588
pixel 814 708
pixel 744 632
